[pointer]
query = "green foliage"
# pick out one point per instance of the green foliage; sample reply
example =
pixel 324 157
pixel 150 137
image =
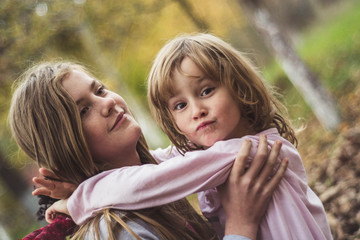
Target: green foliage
pixel 331 48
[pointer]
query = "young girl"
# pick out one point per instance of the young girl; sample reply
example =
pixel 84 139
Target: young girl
pixel 203 92
pixel 64 118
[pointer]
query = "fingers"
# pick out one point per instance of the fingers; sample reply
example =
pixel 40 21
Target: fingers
pixel 41 191
pixel 48 174
pixel 271 162
pixel 45 188
pixel 260 157
pixel 238 168
pixel 50 215
pixel 275 180
pixel 44 182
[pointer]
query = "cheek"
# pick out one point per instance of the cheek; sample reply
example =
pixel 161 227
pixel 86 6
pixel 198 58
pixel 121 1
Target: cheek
pixel 180 121
pixel 93 134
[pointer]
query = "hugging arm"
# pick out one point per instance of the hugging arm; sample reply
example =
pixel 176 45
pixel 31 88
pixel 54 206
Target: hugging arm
pixel 150 185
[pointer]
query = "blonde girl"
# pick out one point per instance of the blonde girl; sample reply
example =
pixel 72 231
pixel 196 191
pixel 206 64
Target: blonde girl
pixel 51 129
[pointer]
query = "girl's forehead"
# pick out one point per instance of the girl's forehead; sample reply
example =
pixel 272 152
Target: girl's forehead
pixel 77 82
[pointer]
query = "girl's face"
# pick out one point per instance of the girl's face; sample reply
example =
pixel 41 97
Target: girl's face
pixel 204 110
pixel 110 130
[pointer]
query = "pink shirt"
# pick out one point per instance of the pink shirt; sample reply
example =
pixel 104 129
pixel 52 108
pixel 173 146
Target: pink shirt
pixel 295 212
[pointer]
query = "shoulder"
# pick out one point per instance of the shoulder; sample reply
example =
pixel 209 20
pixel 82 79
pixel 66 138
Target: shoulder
pixel 138 226
pixel 163 154
pixel 235 237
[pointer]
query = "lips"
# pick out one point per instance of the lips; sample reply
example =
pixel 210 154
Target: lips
pixel 118 119
pixel 204 125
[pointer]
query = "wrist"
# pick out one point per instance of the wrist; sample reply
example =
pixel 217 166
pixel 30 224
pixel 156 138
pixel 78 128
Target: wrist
pixel 66 207
pixel 246 229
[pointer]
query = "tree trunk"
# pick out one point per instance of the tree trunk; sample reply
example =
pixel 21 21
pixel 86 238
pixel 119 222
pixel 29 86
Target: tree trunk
pixel 200 23
pixel 3 234
pixel 309 86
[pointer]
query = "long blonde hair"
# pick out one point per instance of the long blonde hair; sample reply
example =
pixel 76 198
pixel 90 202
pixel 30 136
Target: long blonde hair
pixel 46 124
pixel 222 63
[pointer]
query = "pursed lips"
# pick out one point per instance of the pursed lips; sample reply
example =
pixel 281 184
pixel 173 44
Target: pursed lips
pixel 204 124
pixel 118 119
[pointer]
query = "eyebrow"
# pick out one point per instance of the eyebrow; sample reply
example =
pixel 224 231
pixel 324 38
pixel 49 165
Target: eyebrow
pixel 92 86
pixel 199 79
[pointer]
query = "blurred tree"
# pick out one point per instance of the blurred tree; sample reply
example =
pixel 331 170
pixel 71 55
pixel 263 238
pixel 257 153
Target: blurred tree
pixel 292 15
pixel 299 74
pixel 189 10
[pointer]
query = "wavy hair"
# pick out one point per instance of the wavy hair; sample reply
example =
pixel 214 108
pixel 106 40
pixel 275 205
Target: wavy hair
pixel 222 63
pixel 46 124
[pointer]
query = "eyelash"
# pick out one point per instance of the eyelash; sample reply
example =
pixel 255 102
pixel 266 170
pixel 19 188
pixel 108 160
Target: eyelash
pixel 178 104
pixel 205 92
pixel 83 111
pixel 100 91
pixel 101 88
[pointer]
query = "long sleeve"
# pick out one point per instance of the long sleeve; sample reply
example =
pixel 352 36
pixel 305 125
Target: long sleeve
pixel 151 185
pixel 293 203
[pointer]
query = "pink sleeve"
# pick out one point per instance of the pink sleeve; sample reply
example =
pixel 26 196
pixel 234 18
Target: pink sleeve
pixel 151 185
pixel 164 154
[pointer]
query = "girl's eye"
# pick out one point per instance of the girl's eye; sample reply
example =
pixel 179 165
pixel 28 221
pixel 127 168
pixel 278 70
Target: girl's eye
pixel 101 90
pixel 179 106
pixel 83 111
pixel 207 91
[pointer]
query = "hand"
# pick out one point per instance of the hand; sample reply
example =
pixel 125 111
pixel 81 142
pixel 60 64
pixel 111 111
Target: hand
pixel 58 207
pixel 51 186
pixel 246 194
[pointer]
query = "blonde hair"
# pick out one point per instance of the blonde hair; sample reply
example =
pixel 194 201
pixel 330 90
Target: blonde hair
pixel 46 124
pixel 222 63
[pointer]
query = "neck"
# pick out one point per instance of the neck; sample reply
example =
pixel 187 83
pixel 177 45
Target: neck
pixel 124 160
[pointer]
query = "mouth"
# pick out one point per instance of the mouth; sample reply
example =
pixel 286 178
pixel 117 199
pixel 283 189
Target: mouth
pixel 204 125
pixel 118 120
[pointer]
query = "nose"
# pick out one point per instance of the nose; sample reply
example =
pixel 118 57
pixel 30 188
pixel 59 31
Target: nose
pixel 199 110
pixel 107 106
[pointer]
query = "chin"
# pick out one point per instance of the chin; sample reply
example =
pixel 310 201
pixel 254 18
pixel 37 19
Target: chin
pixel 208 144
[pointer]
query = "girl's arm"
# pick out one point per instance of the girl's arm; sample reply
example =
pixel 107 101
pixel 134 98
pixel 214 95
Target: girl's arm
pixel 153 185
pixel 149 185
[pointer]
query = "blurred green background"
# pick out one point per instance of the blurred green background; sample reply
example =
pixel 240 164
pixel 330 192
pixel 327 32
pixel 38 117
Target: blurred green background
pixel 119 39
